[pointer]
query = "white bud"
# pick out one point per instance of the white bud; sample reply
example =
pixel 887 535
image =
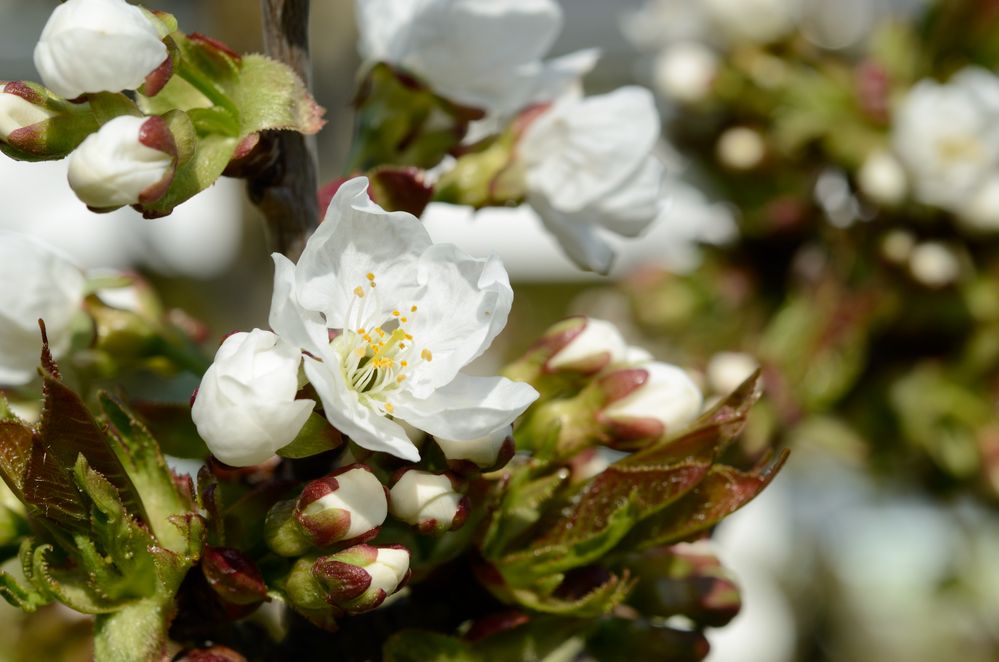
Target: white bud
pixel 113 167
pixel 982 211
pixel 599 344
pixel 741 148
pixel 686 71
pixel 728 370
pixel 428 501
pixel 36 283
pixel 97 46
pixel 16 112
pixel 934 264
pixel 484 451
pixel 342 506
pixel 882 179
pixel 389 569
pixel 245 408
pixel 668 396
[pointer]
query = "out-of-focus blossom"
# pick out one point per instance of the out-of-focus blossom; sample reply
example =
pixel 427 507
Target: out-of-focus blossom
pixel 245 408
pixel 882 179
pixel 947 137
pixel 754 21
pixel 388 319
pixel 97 46
pixel 741 148
pixel 685 71
pixel 934 264
pixel 728 370
pixel 591 167
pixel 127 161
pixel 36 283
pixel 483 53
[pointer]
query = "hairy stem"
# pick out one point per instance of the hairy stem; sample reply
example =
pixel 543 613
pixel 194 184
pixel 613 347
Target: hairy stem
pixel 285 187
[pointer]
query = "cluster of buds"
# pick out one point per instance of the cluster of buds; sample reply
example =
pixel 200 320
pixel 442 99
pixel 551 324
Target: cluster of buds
pixel 596 389
pixel 346 506
pixel 352 581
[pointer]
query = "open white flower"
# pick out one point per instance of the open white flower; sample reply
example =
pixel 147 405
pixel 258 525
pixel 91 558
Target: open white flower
pixel 245 408
pixel 484 53
pixel 97 46
pixel 388 319
pixel 947 137
pixel 590 166
pixel 36 283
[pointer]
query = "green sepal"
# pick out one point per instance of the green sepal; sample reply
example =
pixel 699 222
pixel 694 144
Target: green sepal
pixel 316 436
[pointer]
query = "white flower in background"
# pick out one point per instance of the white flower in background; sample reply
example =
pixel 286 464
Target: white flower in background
pixel 387 320
pixel 754 21
pixel 16 112
pixel 483 53
pixel 934 264
pixel 428 501
pixel 36 283
pixel 947 137
pixel 659 23
pixel 981 212
pixel 685 71
pixel 245 408
pixel 882 179
pixel 668 396
pixel 741 148
pixel 590 166
pixel 128 160
pixel 97 46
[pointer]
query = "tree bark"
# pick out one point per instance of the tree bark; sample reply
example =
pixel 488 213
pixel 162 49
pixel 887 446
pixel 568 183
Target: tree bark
pixel 285 187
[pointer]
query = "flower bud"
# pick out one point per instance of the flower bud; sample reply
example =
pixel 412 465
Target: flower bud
pixel 348 504
pixel 129 160
pixel 233 576
pixel 245 408
pixel 492 451
pixel 97 46
pixel 728 370
pixel 17 111
pixel 428 501
pixel 355 580
pixel 36 282
pixel 648 402
pixel 686 71
pixel 585 344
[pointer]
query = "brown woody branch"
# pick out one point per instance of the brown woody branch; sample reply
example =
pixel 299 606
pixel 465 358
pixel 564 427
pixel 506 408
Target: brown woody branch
pixel 284 187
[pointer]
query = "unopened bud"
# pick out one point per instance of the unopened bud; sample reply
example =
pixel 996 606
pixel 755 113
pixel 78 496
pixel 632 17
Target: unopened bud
pixel 349 504
pixel 648 402
pixel 428 501
pixel 18 112
pixel 129 160
pixel 728 370
pixel 36 126
pixel 233 576
pixel 97 46
pixel 584 344
pixel 490 452
pixel 355 580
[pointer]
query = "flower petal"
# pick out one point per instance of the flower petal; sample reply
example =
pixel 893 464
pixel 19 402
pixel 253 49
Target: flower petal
pixel 305 329
pixel 578 234
pixel 345 410
pixel 469 407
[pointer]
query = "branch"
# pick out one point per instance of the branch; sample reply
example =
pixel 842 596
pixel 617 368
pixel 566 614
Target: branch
pixel 285 187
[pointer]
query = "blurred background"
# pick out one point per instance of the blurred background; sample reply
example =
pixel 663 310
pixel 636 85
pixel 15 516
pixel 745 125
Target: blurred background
pixel 804 237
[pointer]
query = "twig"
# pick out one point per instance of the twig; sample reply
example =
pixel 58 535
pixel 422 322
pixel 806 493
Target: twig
pixel 285 187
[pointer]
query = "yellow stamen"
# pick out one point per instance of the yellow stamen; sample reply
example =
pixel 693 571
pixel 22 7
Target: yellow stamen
pixel 359 292
pixel 371 276
pixel 426 355
pixel 395 313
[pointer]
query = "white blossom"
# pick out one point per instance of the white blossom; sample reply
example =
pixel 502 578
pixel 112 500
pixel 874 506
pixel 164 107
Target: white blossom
pixel 668 396
pixel 245 408
pixel 97 46
pixel 934 264
pixel 882 179
pixel 115 166
pixel 741 148
pixel 686 71
pixel 590 167
pixel 947 137
pixel 36 283
pixel 727 371
pixel 388 319
pixel 754 21
pixel 483 53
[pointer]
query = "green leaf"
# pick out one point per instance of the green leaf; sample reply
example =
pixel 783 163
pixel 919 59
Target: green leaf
pixel 723 491
pixel 172 427
pixel 522 503
pixel 317 436
pixel 426 646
